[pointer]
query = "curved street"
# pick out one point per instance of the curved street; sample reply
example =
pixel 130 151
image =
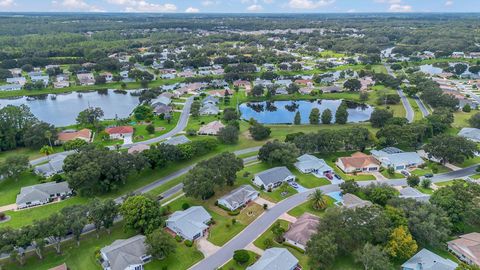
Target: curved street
pixel 262 223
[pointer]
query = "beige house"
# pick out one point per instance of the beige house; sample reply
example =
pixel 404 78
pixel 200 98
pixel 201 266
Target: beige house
pixel 466 248
pixel 302 230
pixel 211 128
pixel 358 162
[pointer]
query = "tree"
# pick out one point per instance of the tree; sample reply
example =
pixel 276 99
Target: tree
pixel 379 193
pixel 241 256
pixel 195 108
pixel 35 135
pixel 326 116
pixel 466 108
pixel 14 166
pixel 341 116
pixel 452 149
pixel 259 132
pixel 459 68
pixel 160 244
pixel 349 186
pixel 150 128
pixel 426 183
pixel 276 152
pixel 90 117
pixel 46 150
pixel 474 120
pixel 413 180
pixel 58 228
pixel 278 232
pixel 297 120
pixel 401 245
pixel 141 214
pixel 14 121
pixel 230 114
pixel 143 112
pixel 322 250
pixel 76 218
pixel 102 214
pixel 372 258
pixel 318 200
pixel 228 135
pixel 258 90
pixel 352 84
pixel 74 144
pixel 314 116
pixel 293 88
pixel 380 117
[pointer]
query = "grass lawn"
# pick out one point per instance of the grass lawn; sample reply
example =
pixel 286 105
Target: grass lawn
pixel 233 265
pixel 425 190
pixel 196 122
pixel 307 207
pixel 259 242
pixel 461 118
pixel 9 188
pixel 309 180
pixel 31 153
pixel 475 176
pixel 416 110
pixel 446 183
pixel 182 259
pixel 141 133
pixel 394 176
pixel 470 162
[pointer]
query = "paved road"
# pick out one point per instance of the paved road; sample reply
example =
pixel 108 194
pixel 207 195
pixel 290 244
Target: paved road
pixel 261 224
pixel 422 106
pixel 181 125
pixel 406 103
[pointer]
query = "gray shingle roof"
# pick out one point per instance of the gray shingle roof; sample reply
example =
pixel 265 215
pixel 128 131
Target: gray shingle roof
pixel 352 201
pixel 190 221
pixel 41 192
pixel 413 193
pixel 302 229
pixel 239 195
pixel 470 133
pixel 427 260
pixel 182 139
pixel 274 175
pixel 52 167
pixel 125 252
pixel 275 259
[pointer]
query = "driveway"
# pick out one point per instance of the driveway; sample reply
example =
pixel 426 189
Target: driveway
pixel 206 247
pixel 128 140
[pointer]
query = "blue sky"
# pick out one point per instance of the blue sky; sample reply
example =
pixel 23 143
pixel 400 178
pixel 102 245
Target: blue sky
pixel 239 6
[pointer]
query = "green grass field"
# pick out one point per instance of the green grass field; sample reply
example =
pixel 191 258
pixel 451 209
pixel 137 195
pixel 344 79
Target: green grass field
pixel 10 188
pixel 306 207
pixel 233 265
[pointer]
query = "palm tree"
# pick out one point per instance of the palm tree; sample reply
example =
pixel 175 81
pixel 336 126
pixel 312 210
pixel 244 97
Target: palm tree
pixel 48 135
pixel 46 150
pixel 318 200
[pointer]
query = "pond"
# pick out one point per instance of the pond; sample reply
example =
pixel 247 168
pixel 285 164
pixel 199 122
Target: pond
pixel 62 109
pixel 433 70
pixel 283 112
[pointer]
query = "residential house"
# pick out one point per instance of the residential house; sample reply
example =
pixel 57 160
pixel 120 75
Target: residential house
pixel 351 201
pixel 44 79
pixel 42 194
pixel 281 91
pixel 209 109
pixel 397 159
pixel 187 74
pixel 472 134
pixel 190 224
pixel 311 164
pixel 211 128
pixel 220 93
pixel 427 260
pixel 161 100
pixel 331 89
pixel 182 139
pixel 284 83
pixel 10 87
pixel 210 100
pixel 69 135
pixel 366 82
pixel 125 254
pixel 273 177
pixel 276 259
pixel 53 166
pixel 242 83
pixel 138 148
pixel 17 80
pixel 16 72
pixel 300 232
pixel 61 84
pixel 305 90
pixel 86 78
pixel 413 193
pixel 358 162
pixel 238 197
pixel 467 248
pixel 458 55
pixel 35 73
pixel 119 132
pixel 304 82
pixel 108 76
pixel 160 109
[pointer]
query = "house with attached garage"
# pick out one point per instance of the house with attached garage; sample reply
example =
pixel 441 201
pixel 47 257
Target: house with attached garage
pixel 311 164
pixel 472 134
pixel 182 139
pixel 238 197
pixel 358 162
pixel 397 159
pixel 466 247
pixel 300 232
pixel 190 224
pixel 273 177
pixel 42 194
pixel 427 260
pixel 351 201
pixel 211 128
pixel 125 254
pixel 53 166
pixel 119 132
pixel 276 259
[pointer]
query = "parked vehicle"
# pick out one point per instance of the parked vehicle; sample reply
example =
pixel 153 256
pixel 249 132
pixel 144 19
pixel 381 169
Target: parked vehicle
pixel 406 173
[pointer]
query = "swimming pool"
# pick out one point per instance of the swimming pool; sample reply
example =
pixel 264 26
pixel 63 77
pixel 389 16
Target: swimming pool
pixel 337 196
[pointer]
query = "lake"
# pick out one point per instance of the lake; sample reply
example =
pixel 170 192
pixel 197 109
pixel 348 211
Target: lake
pixel 283 112
pixel 62 109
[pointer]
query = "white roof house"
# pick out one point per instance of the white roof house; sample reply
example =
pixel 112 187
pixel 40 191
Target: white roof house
pixel 273 177
pixel 41 194
pixel 275 259
pixel 125 254
pixel 413 193
pixel 209 109
pixel 53 166
pixel 311 164
pixel 182 139
pixel 161 100
pixel 472 134
pixel 351 201
pixel 238 197
pixel 396 158
pixel 427 260
pixel 191 223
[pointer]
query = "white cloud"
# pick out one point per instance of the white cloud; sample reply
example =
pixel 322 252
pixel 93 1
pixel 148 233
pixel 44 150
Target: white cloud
pixel 448 3
pixel 388 1
pixel 351 10
pixel 6 3
pixel 309 4
pixel 76 5
pixel 255 8
pixel 192 10
pixel 400 8
pixel 143 6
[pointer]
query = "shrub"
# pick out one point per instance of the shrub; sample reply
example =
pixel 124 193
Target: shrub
pixel 178 238
pixel 265 206
pixel 185 206
pixel 268 242
pixel 434 168
pixel 2 216
pixel 234 221
pixel 150 128
pixel 191 132
pixel 413 180
pixel 391 171
pixel 246 174
pixel 188 243
pixel 426 183
pixel 241 256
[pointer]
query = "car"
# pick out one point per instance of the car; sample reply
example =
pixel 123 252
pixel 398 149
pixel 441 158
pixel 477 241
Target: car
pixel 406 173
pixel 428 175
pixel 329 176
pixel 293 184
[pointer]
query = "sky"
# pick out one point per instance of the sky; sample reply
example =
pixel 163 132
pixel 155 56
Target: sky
pixel 240 6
